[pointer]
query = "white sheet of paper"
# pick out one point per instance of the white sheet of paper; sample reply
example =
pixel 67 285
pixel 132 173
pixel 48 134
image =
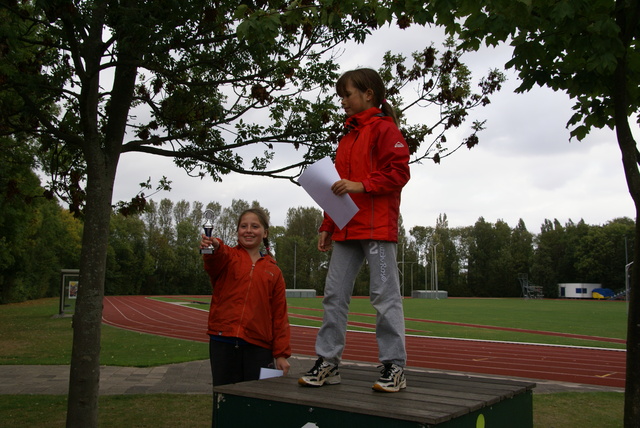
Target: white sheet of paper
pixel 316 180
pixel 266 373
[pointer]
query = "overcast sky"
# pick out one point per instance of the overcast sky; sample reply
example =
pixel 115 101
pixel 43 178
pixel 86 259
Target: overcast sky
pixel 525 167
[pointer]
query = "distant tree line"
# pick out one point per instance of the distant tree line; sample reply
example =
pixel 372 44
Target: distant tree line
pixel 484 260
pixel 156 252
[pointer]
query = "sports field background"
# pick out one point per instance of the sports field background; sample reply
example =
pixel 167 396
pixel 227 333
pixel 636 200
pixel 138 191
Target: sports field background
pixel 30 334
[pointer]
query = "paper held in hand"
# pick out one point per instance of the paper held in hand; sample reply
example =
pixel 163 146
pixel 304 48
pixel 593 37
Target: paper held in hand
pixel 317 180
pixel 266 373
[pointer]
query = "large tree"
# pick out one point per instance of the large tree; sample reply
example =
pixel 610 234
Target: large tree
pixel 591 51
pixel 202 82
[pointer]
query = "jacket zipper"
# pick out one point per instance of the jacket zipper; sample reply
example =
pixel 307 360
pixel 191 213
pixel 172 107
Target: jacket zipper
pixel 244 305
pixel 371 198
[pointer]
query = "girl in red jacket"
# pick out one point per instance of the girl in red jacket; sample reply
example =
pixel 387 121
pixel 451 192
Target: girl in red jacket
pixel 248 323
pixel 373 163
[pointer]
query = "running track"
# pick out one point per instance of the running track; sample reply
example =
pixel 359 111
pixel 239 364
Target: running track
pixel 592 366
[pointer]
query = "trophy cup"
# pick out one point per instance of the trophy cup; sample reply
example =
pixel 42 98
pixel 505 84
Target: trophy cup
pixel 208 229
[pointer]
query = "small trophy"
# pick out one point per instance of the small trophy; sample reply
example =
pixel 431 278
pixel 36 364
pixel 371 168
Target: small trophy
pixel 208 229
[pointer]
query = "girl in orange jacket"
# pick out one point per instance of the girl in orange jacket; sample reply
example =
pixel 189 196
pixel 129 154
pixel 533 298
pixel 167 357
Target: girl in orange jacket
pixel 248 322
pixel 373 163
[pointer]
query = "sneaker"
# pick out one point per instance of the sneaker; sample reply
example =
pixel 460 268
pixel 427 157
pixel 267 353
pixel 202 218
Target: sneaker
pixel 392 378
pixel 321 373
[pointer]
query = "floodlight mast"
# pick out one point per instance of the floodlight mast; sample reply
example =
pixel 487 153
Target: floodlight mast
pixel 626 283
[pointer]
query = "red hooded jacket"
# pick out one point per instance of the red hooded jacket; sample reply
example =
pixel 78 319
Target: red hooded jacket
pixel 375 154
pixel 248 300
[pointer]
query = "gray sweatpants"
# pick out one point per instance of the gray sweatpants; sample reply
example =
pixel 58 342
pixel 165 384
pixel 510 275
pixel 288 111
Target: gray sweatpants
pixel 384 291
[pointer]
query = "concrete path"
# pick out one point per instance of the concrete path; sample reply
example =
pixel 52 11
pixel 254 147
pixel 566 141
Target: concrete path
pixel 185 378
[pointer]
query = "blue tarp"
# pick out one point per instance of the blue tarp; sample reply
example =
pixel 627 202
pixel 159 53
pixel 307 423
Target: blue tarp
pixel 604 292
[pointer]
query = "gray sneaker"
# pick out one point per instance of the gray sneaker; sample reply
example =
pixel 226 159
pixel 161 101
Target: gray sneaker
pixel 321 373
pixel 392 378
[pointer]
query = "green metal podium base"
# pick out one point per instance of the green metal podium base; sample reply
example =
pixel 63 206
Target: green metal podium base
pixel 439 400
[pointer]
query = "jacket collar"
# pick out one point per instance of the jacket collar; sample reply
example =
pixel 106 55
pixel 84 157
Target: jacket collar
pixel 357 121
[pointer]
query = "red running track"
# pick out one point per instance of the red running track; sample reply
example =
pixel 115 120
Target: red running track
pixel 592 366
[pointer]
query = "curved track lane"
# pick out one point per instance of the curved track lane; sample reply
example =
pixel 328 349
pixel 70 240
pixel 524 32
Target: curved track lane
pixel 592 366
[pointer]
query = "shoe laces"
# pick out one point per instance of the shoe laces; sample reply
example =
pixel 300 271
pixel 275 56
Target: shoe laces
pixel 316 366
pixel 387 370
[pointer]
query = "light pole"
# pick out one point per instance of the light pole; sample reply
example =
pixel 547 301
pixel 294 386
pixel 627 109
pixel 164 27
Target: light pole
pixel 402 288
pixel 626 282
pixel 426 274
pixel 434 267
pixel 426 267
pixel 402 272
pixel 412 263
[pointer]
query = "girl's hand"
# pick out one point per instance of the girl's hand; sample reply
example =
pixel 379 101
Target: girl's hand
pixel 343 186
pixel 283 364
pixel 208 241
pixel 324 241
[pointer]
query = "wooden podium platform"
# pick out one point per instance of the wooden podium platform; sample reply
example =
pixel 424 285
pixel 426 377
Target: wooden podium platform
pixel 439 400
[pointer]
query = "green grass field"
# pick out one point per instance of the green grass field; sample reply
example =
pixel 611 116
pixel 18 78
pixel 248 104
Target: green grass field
pixel 29 334
pixel 583 317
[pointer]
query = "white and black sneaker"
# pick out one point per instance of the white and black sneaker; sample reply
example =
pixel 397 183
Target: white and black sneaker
pixel 392 378
pixel 321 373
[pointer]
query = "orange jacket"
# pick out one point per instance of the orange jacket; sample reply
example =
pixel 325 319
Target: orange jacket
pixel 375 154
pixel 248 301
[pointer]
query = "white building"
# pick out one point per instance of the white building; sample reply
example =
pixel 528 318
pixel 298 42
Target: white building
pixel 577 290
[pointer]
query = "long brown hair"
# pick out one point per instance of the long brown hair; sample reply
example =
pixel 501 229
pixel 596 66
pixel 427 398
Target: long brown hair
pixel 364 79
pixel 263 218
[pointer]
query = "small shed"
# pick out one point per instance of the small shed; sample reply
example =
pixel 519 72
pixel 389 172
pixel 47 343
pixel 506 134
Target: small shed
pixel 577 290
pixel 306 292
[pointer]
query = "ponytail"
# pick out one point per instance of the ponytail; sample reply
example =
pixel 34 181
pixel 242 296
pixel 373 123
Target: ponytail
pixel 267 247
pixel 388 110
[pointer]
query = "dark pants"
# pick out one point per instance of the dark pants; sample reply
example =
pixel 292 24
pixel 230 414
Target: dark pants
pixel 232 363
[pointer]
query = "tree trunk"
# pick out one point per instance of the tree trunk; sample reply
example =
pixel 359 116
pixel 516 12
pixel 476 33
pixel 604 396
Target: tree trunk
pixel 84 381
pixel 101 146
pixel 632 388
pixel 630 161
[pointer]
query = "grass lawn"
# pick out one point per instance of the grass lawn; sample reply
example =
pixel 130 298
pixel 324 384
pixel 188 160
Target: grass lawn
pixel 560 410
pixel 580 317
pixel 586 317
pixel 115 411
pixel 29 334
